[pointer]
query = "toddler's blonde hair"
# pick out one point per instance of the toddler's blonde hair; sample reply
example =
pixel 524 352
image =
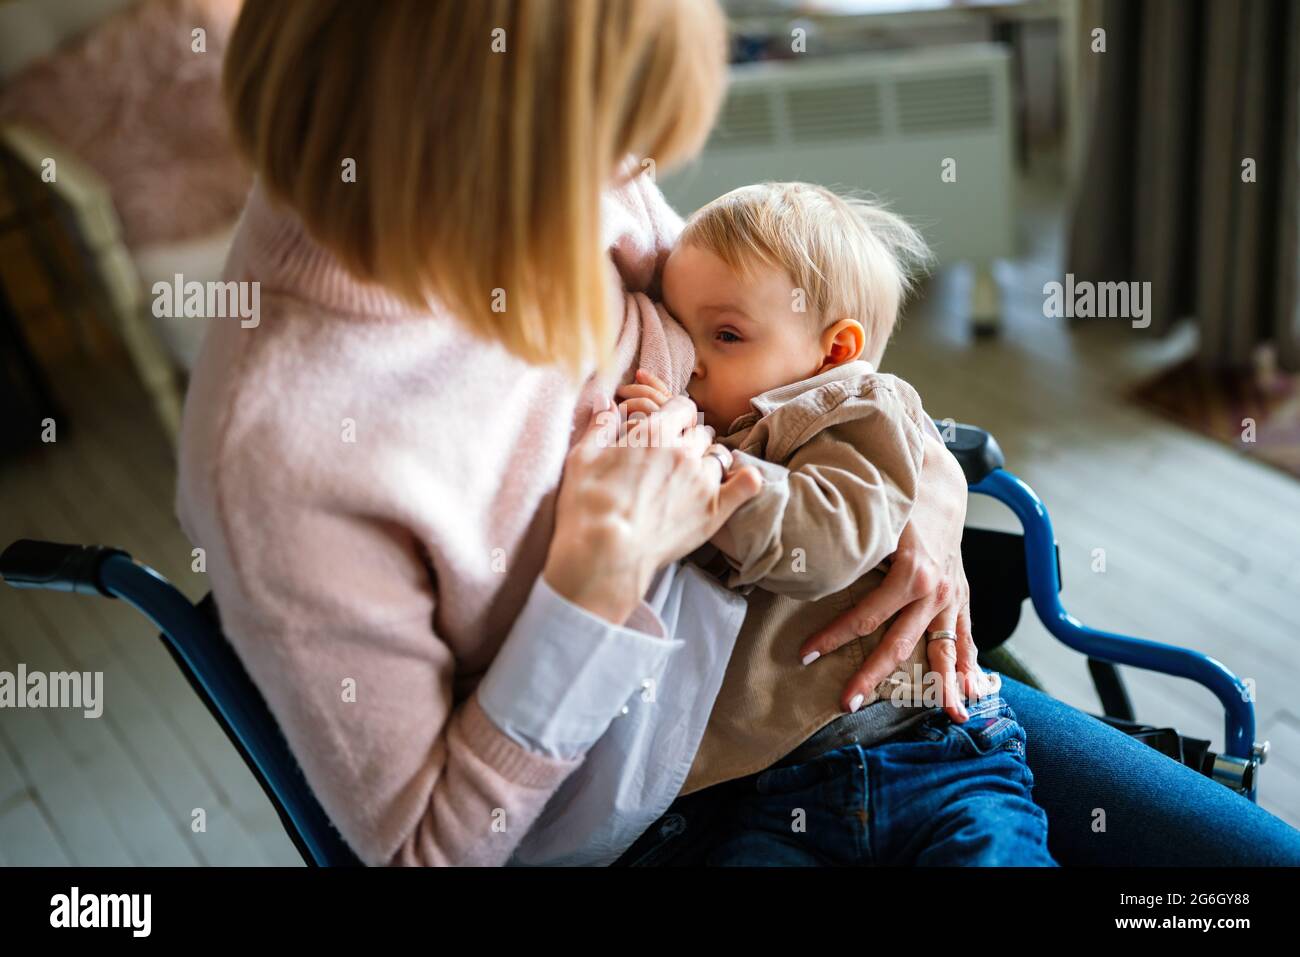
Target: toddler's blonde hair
pixel 849 254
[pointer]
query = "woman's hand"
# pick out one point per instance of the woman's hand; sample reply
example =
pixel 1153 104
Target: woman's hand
pixel 926 585
pixel 635 496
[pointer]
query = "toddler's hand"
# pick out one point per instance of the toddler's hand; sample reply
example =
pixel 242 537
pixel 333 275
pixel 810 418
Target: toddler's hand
pixel 646 395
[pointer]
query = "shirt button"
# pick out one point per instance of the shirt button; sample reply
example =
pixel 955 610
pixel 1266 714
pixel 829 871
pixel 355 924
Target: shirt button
pixel 673 825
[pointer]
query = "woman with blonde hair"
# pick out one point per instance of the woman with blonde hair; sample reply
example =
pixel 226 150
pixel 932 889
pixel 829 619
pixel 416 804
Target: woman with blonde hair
pixel 453 583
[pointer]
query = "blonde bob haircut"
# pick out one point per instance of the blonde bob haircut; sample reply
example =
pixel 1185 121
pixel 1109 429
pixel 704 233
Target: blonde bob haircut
pixel 851 256
pixel 483 134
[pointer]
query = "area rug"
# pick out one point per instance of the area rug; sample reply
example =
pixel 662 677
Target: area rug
pixel 1222 406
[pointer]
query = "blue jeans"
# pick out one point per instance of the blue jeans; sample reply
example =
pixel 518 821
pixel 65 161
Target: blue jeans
pixel 939 794
pixel 1110 800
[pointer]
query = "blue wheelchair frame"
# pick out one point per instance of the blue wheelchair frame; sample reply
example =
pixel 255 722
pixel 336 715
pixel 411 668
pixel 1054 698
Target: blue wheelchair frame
pixel 192 634
pixel 1044 591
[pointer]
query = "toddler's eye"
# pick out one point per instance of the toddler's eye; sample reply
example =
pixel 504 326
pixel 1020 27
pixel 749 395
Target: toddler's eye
pixel 726 335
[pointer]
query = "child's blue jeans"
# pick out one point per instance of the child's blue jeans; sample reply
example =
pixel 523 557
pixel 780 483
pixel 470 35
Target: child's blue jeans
pixel 938 794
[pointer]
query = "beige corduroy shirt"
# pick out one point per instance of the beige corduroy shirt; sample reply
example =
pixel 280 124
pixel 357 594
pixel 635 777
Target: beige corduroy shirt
pixel 841 457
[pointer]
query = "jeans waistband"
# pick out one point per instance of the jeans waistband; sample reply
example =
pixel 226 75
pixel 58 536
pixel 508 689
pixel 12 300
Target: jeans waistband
pixel 985 705
pixel 878 721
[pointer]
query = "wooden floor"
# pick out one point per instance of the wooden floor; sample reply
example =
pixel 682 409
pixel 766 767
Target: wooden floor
pixel 1202 549
pixel 122 788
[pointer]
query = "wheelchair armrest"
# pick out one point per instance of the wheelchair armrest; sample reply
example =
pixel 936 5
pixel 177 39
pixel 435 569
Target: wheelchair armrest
pixel 976 451
pixel 55 567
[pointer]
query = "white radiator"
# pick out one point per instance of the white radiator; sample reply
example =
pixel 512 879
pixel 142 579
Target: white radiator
pixel 884 122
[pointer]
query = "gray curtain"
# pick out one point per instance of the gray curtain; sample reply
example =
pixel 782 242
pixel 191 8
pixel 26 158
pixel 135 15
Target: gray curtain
pixel 1186 90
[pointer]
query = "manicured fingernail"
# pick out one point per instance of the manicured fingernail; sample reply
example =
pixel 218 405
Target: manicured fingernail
pixel 811 657
pixel 856 703
pixel 961 709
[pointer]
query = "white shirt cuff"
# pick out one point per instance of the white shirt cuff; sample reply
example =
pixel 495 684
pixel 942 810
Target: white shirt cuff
pixel 563 673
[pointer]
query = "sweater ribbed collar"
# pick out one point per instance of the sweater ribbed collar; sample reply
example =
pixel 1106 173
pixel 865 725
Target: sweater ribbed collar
pixel 278 251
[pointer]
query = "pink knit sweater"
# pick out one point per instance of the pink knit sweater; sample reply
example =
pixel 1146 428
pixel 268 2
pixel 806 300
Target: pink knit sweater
pixel 360 581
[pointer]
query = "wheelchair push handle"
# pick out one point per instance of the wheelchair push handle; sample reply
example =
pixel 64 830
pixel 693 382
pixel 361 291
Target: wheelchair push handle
pixel 975 450
pixel 56 567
